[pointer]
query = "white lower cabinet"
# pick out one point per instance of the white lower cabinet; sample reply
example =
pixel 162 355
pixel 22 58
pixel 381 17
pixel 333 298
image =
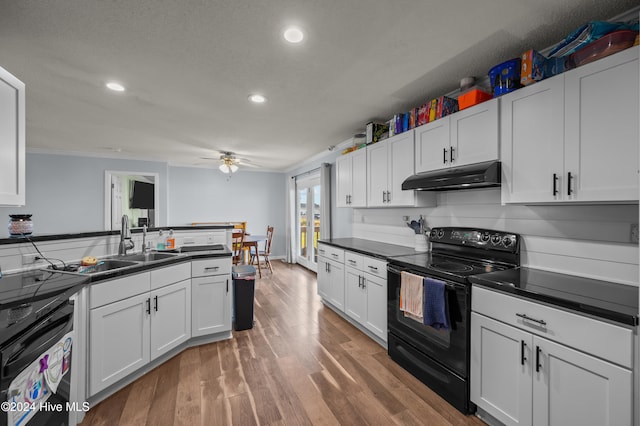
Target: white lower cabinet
pixel 130 325
pixel 331 277
pixel 366 292
pixel 170 317
pixel 210 296
pixel 522 378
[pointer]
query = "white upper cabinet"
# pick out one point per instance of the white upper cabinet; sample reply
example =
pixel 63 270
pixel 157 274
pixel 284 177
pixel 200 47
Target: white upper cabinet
pixel 351 172
pixel 601 129
pixel 574 137
pixel 532 141
pixel 389 163
pixel 466 137
pixel 12 140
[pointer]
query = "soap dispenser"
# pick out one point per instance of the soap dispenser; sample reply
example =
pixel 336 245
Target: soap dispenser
pixel 171 241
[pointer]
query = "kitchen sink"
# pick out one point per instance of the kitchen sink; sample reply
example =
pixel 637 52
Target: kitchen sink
pixel 102 266
pixel 149 257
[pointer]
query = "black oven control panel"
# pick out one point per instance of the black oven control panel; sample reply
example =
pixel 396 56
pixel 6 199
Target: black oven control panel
pixel 478 238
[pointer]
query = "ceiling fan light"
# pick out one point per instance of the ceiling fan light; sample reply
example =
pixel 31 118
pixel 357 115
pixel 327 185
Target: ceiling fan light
pixel 228 168
pixel 257 99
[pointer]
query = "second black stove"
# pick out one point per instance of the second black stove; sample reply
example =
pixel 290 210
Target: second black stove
pixel 458 253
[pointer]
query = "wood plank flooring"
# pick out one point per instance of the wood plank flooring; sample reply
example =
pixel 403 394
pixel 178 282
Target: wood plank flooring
pixel 301 364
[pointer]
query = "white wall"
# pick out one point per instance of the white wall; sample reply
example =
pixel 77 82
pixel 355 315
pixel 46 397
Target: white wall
pixel 590 240
pixel 205 195
pixel 65 193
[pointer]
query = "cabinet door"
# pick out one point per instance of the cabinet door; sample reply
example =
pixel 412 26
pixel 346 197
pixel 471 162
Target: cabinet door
pixel 210 305
pixel 336 285
pixel 432 142
pixel 358 179
pixel 501 370
pixel 532 140
pixel 118 341
pixel 474 134
pixel 355 297
pixel 376 289
pixel 170 317
pixel 344 181
pixel 574 388
pixel 401 166
pixel 12 140
pixel 377 165
pixel 323 278
pixel 601 130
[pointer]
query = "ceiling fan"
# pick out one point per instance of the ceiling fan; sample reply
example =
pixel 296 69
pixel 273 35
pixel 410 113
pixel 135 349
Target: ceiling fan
pixel 229 162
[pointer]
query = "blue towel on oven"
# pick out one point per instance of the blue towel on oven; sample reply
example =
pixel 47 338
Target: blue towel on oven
pixel 435 310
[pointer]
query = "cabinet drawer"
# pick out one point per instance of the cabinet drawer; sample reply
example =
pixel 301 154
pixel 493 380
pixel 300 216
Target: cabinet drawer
pixel 111 291
pixel 330 252
pixel 353 260
pixel 374 267
pixel 170 275
pixel 204 267
pixel 599 338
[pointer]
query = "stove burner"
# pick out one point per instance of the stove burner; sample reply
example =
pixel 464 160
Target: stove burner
pixel 452 267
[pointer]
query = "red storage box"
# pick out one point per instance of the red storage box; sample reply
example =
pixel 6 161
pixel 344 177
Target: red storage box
pixel 605 46
pixel 472 97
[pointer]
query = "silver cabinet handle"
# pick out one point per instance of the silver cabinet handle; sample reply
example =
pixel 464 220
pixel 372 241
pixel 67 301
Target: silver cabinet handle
pixel 388 196
pixel 334 255
pixel 353 262
pixel 372 267
pixel 527 318
pixel 214 268
pixel 384 196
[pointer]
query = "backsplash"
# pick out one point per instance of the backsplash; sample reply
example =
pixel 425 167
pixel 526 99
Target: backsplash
pixel 74 249
pixel 589 240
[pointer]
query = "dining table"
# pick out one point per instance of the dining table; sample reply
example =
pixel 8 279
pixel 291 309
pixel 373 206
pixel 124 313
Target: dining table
pixel 251 240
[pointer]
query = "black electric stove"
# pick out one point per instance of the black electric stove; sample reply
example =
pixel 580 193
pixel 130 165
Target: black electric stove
pixel 440 357
pixel 28 296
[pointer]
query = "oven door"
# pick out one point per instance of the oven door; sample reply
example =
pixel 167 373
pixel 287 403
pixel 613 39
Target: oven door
pixel 447 347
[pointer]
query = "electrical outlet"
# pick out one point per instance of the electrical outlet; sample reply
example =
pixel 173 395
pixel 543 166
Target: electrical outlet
pixel 634 233
pixel 29 259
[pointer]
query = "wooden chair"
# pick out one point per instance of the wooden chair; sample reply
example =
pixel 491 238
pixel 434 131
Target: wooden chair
pixel 267 250
pixel 237 243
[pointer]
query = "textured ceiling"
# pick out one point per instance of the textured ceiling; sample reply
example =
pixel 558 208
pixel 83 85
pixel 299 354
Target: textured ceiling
pixel 190 65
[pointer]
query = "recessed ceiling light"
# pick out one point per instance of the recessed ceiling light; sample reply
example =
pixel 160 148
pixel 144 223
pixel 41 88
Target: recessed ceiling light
pixel 115 86
pixel 258 99
pixel 293 35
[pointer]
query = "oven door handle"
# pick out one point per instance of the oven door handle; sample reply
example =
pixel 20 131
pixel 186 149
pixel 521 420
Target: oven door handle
pixel 39 339
pixel 448 284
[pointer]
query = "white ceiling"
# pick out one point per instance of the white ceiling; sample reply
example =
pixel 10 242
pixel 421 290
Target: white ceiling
pixel 189 66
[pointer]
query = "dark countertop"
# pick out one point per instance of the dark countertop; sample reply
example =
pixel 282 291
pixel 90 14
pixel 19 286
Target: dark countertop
pixel 187 256
pixel 368 247
pixel 68 236
pixel 617 302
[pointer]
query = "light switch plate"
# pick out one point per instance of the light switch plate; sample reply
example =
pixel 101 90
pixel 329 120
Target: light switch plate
pixel 634 233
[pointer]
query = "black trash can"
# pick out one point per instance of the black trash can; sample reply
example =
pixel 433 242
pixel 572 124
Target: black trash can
pixel 244 281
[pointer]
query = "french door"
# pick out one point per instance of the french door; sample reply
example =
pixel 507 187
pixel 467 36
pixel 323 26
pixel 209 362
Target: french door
pixel 308 221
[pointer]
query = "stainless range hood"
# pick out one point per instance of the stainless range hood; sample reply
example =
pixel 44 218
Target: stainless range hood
pixel 479 175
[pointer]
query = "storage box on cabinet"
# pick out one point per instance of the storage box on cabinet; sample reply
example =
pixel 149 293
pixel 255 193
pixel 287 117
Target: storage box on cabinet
pixel 532 364
pixel 574 137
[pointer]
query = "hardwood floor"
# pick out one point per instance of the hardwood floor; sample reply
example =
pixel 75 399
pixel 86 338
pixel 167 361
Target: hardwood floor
pixel 301 364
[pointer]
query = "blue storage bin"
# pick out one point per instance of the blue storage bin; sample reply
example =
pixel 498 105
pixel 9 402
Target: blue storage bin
pixel 505 77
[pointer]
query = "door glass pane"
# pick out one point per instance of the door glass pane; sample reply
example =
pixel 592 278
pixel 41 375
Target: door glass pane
pixel 302 226
pixel 316 222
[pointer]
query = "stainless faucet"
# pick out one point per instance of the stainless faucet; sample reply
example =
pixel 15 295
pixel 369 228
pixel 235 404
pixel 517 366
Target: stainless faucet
pixel 126 243
pixel 145 248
